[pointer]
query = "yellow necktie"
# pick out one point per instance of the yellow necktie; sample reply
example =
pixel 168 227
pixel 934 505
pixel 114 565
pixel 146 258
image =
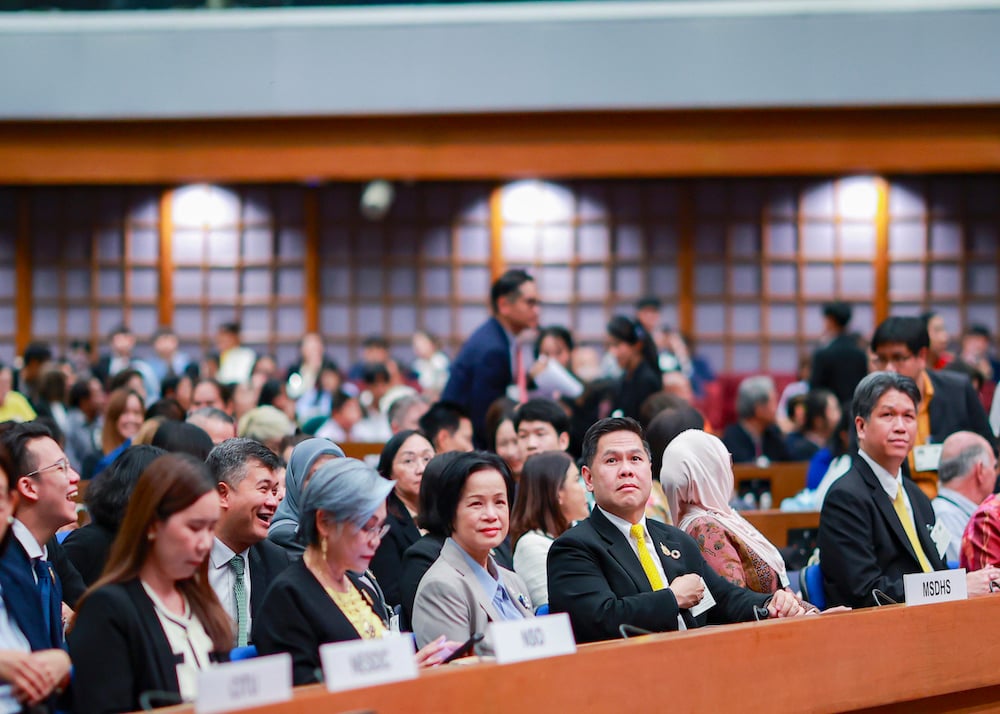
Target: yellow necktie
pixel 645 558
pixel 911 532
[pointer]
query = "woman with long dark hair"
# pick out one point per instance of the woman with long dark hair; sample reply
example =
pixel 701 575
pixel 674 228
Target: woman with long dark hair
pixel 152 621
pixel 635 352
pixel 550 498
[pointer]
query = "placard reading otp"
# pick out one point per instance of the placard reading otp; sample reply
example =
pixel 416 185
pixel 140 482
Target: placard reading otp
pixel 244 684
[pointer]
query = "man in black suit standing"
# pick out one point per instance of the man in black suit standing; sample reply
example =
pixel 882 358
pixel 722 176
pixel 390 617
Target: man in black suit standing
pixel 876 526
pixel 243 561
pixel 840 364
pixel 492 360
pixel 618 568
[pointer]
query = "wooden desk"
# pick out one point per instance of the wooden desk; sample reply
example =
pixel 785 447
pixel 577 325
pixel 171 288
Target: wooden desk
pixel 775 524
pixel 936 658
pixel 786 479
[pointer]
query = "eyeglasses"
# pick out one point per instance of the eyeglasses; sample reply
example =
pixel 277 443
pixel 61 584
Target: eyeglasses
pixel 61 464
pixel 375 532
pixel 894 359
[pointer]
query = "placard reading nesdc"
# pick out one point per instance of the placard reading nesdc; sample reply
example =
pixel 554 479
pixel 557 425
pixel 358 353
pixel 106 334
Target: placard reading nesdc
pixel 363 663
pixel 244 684
pixel 532 638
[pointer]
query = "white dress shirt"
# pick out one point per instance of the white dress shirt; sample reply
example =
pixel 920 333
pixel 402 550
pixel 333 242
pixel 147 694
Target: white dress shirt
pixel 11 638
pixel 890 484
pixel 222 578
pixel 32 547
pixel 954 511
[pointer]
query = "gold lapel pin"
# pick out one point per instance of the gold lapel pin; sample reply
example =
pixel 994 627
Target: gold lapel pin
pixel 666 551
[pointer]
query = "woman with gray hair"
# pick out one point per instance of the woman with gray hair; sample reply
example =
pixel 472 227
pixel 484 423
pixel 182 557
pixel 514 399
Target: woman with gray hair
pixel 306 458
pixel 322 598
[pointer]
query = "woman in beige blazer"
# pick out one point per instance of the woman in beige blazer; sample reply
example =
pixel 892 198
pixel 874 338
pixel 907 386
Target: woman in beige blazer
pixel 465 589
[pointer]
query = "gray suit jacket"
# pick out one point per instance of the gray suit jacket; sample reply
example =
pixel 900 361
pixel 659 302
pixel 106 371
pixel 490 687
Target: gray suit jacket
pixel 451 602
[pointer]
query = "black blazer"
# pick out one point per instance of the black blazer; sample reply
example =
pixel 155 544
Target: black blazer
pixel 480 374
pixel 839 367
pixel 301 616
pixel 87 549
pixel 595 577
pixel 267 561
pixel 633 389
pixel 862 544
pixel 387 565
pixel 20 593
pixel 740 444
pixel 417 560
pixel 119 651
pixel 956 407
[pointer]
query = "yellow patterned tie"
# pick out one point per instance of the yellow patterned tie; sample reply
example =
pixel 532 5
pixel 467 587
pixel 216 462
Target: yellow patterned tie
pixel 911 532
pixel 638 532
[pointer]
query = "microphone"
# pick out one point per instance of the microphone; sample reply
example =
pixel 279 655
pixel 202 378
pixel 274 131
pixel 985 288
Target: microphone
pixel 627 631
pixel 882 599
pixel 147 699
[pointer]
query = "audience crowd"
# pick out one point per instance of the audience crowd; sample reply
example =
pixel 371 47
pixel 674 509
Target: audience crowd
pixel 158 514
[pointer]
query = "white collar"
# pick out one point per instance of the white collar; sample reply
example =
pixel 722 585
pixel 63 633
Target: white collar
pixel 624 526
pixel 890 484
pixel 964 503
pixel 32 547
pixel 222 553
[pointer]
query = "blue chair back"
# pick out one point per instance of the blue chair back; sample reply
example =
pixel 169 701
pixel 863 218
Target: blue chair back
pixel 952 565
pixel 542 609
pixel 812 586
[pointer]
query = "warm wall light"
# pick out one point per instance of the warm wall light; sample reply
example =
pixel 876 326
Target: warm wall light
pixel 205 206
pixel 535 202
pixel 857 197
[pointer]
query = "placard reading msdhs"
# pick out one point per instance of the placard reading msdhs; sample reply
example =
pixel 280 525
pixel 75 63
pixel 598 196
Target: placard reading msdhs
pixel 244 684
pixel 363 663
pixel 939 586
pixel 532 638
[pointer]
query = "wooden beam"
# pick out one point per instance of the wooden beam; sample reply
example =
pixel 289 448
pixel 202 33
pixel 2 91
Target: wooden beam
pixel 685 260
pixel 165 301
pixel 312 266
pixel 497 264
pixel 881 296
pixel 753 142
pixel 22 274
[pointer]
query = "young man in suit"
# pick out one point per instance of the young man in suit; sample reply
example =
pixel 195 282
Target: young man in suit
pixel 541 425
pixel 492 360
pixel 947 401
pixel 618 568
pixel 840 364
pixel 34 572
pixel 875 525
pixel 243 561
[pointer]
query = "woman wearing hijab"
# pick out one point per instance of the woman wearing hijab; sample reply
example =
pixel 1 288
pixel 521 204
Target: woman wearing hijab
pixel 697 477
pixel 306 457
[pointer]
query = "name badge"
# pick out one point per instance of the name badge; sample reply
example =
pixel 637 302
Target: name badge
pixel 783 579
pixel 362 663
pixel 532 638
pixel 941 538
pixel 245 684
pixel 940 586
pixel 927 457
pixel 706 603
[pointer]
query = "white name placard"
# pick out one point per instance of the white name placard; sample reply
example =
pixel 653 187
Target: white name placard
pixel 244 684
pixel 363 663
pixel 532 638
pixel 940 586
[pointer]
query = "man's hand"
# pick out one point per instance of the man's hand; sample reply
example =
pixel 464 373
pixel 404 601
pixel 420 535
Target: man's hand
pixel 784 604
pixel 34 675
pixel 689 589
pixel 979 581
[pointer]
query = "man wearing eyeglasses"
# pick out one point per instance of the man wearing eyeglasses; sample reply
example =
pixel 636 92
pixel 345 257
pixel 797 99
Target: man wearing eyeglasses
pixel 948 402
pixel 34 572
pixel 243 561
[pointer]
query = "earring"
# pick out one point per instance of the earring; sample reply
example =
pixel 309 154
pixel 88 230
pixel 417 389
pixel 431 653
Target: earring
pixel 322 548
pixel 150 536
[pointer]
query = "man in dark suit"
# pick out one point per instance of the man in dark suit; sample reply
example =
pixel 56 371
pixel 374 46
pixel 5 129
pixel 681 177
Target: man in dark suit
pixel 840 364
pixel 491 360
pixel 618 568
pixel 756 434
pixel 243 561
pixel 29 570
pixel 875 525
pixel 948 402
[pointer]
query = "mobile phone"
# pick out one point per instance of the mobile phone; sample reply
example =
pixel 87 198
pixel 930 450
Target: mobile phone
pixel 465 648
